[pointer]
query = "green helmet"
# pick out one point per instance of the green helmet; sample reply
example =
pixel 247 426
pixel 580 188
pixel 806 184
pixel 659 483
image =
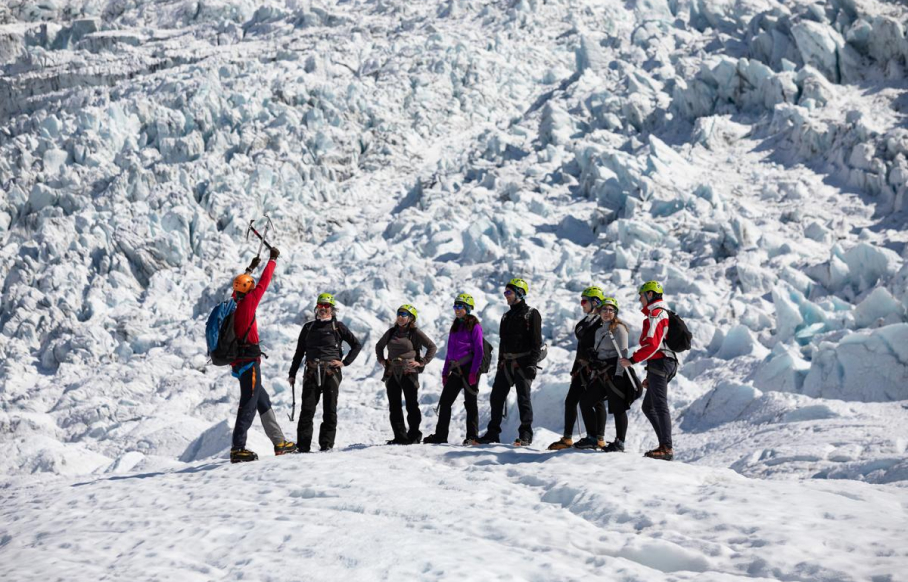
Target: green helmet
pixel 611 301
pixel 409 309
pixel 326 298
pixel 465 299
pixel 594 293
pixel 519 284
pixel 654 286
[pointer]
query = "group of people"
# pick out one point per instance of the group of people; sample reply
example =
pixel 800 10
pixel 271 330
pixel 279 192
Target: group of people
pixel 602 377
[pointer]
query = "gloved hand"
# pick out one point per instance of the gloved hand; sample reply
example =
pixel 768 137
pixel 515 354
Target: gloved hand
pixel 473 378
pixel 253 265
pixel 275 253
pixel 530 373
pixel 292 380
pixel 444 379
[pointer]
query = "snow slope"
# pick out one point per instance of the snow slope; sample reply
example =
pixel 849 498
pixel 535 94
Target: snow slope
pixel 449 513
pixel 750 154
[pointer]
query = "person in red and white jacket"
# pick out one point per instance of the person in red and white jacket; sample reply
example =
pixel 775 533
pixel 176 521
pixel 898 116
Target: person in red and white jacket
pixel 661 365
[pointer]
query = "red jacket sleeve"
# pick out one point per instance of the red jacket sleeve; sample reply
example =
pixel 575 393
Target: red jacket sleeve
pixel 651 338
pixel 255 295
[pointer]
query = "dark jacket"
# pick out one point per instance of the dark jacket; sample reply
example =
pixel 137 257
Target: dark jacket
pixel 521 331
pixel 585 331
pixel 321 340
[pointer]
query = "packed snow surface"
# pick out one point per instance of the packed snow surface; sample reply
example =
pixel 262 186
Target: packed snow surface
pixel 752 155
pixel 452 513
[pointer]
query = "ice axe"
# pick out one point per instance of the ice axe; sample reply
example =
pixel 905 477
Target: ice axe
pixel 261 237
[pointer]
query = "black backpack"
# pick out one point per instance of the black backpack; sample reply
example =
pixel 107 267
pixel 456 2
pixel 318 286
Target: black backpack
pixel 678 337
pixel 486 357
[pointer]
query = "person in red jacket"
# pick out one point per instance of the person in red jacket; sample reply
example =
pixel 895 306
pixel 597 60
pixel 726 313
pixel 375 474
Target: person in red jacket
pixel 247 366
pixel 661 365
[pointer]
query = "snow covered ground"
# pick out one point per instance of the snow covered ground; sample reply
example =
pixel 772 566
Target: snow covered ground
pixel 450 513
pixel 750 154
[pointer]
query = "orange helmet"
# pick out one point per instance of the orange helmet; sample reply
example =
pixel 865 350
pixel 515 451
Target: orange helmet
pixel 243 283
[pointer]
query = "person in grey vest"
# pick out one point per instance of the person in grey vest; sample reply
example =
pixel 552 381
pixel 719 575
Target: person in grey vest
pixel 404 342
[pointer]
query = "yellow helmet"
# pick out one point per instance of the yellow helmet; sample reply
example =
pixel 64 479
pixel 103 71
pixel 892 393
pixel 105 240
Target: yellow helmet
pixel 519 285
pixel 654 286
pixel 409 309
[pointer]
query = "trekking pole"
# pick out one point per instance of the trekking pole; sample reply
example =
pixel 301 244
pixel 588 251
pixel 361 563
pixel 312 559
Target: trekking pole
pixel 630 371
pixel 293 406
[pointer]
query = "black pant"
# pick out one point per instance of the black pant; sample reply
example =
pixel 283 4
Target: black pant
pixel 252 397
pixel 655 403
pixel 500 389
pixel 592 405
pixel 449 393
pixel 595 422
pixel 311 394
pixel 408 386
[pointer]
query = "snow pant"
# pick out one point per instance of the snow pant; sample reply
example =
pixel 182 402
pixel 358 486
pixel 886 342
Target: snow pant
pixel 253 398
pixel 500 389
pixel 449 393
pixel 595 424
pixel 406 384
pixel 655 403
pixel 310 397
pixel 592 404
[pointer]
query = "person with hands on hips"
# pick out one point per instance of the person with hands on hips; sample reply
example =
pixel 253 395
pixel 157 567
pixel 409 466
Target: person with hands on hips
pixel 321 343
pixel 404 342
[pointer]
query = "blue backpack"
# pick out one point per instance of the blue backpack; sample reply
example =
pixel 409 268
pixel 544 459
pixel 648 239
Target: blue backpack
pixel 219 333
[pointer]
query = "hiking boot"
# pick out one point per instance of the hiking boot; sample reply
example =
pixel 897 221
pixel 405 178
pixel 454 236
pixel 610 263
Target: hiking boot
pixel 325 448
pixel 434 440
pixel 487 439
pixel 650 454
pixel 663 454
pixel 561 444
pixel 398 440
pixel 616 446
pixel 587 443
pixel 522 442
pixel 415 439
pixel 242 456
pixel 284 447
pixel 469 441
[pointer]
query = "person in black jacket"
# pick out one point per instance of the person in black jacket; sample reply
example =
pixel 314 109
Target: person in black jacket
pixel 585 330
pixel 519 352
pixel 320 342
pixel 404 342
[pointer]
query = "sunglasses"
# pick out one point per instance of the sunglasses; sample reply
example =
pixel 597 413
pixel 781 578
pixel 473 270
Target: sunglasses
pixel 460 306
pixel 403 314
pixel 508 292
pixel 610 309
pixel 323 306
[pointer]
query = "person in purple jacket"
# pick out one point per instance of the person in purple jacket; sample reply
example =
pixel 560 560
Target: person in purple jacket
pixel 461 371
